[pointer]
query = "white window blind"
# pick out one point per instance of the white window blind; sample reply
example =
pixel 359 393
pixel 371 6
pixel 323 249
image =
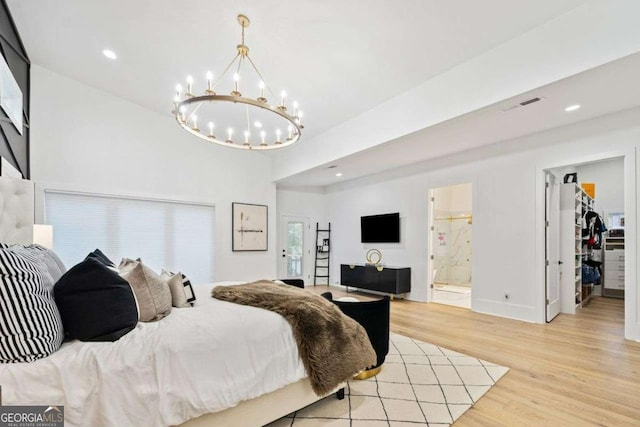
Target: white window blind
pixel 175 236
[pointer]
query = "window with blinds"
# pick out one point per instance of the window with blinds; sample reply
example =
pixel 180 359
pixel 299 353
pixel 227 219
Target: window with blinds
pixel 165 234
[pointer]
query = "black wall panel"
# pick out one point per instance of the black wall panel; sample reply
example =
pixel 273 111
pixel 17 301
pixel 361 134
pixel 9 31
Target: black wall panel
pixel 13 146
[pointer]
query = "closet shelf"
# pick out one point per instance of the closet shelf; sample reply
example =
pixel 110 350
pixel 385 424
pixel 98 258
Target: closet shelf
pixel 574 203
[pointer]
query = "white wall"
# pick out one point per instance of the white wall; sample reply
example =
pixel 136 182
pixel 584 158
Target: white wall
pixel 609 179
pixel 305 204
pixel 508 205
pixel 86 140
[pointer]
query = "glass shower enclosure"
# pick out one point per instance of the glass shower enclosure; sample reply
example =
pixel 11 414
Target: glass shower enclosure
pixel 452 232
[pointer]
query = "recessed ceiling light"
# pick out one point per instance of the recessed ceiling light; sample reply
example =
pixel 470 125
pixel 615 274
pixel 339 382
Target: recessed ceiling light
pixel 339 174
pixel 573 107
pixel 257 124
pixel 109 54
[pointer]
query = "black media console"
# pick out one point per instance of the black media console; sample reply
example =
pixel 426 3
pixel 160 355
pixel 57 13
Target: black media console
pixel 390 280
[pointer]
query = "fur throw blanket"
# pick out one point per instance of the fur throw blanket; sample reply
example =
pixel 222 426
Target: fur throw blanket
pixel 333 347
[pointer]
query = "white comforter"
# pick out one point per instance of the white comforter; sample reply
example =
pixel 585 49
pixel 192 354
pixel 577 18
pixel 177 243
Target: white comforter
pixel 195 361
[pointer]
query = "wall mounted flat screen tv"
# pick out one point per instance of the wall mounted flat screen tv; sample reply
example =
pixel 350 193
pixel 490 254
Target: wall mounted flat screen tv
pixel 380 228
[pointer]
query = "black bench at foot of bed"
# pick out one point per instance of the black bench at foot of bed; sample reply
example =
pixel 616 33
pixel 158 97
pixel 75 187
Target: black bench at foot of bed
pixel 293 282
pixel 374 317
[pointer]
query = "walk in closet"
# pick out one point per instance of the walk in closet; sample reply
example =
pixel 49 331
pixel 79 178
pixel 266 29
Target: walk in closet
pixel 591 233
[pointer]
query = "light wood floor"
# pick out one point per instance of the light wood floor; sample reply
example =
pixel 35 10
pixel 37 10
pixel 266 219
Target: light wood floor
pixel 575 371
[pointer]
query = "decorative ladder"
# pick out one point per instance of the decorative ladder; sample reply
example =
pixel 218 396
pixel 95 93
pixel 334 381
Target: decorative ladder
pixel 323 251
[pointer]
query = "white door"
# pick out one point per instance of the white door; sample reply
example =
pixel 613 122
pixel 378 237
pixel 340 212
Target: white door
pixel 293 254
pixel 552 251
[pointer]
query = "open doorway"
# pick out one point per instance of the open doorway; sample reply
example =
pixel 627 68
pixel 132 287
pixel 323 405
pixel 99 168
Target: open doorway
pixel 451 226
pixel 589 235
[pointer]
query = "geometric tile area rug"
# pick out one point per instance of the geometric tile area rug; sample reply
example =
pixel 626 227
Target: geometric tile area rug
pixel 420 384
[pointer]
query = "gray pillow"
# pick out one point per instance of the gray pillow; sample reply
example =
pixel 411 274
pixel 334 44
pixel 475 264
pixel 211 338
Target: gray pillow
pixel 151 291
pixel 127 264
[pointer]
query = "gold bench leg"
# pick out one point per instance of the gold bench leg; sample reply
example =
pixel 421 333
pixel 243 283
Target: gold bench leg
pixel 368 373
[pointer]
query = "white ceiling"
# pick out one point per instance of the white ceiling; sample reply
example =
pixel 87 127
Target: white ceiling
pixel 599 91
pixel 338 58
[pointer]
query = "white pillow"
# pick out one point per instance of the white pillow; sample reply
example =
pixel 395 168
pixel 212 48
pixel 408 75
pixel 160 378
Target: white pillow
pixel 182 295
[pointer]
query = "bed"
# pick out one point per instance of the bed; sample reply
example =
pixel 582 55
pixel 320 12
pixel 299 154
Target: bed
pixel 203 366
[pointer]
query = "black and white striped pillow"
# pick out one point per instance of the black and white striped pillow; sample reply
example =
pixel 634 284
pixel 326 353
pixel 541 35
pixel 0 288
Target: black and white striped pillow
pixel 30 324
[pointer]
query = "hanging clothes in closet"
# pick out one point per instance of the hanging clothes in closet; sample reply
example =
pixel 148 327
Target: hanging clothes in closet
pixel 595 227
pixel 592 240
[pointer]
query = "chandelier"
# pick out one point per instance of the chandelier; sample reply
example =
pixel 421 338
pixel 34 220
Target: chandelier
pixel 233 119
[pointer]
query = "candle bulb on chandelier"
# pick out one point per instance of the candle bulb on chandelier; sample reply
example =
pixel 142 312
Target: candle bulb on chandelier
pixel 299 119
pixel 194 122
pixel 236 79
pixel 209 81
pixel 211 126
pixel 230 134
pixel 246 137
pixel 290 136
pixel 189 86
pixel 183 110
pixel 263 134
pixel 278 133
pixel 261 98
pixel 283 94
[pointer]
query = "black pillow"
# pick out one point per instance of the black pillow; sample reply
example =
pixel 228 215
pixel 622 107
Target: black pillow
pixel 293 282
pixel 95 303
pixel 98 255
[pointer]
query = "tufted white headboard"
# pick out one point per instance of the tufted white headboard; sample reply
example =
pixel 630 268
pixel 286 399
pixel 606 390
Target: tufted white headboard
pixel 16 211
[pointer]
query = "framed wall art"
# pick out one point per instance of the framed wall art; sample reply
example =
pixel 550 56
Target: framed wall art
pixel 249 227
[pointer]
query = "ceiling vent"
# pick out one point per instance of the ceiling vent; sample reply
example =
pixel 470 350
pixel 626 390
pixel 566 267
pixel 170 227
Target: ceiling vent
pixel 530 101
pixel 523 103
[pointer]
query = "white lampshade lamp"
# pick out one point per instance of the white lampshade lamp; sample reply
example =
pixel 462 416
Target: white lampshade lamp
pixel 43 235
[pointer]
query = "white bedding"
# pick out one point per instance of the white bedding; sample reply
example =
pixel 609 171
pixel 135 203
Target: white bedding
pixel 195 361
